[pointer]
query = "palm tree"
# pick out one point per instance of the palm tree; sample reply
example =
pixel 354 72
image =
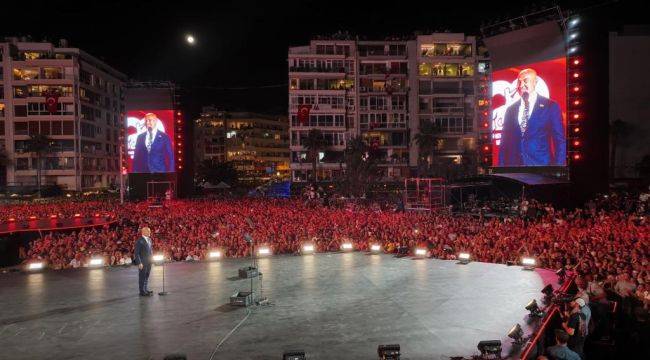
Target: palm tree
pixel 427 140
pixel 38 144
pixel 314 143
pixel 361 165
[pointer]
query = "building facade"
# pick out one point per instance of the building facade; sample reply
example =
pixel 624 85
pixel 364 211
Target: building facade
pixel 256 144
pixel 381 91
pixel 83 132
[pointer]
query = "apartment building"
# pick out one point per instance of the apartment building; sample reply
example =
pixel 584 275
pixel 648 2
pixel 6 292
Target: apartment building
pixel 382 91
pixel 83 131
pixel 257 144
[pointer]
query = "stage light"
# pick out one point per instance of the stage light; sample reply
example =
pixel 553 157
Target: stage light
pixel 97 215
pixel 307 248
pixel 576 102
pixel 416 231
pixel 11 220
pixel 576 88
pixel 215 254
pixel 388 352
pixel 464 258
pixel 420 252
pixel 548 290
pixel 576 129
pixel 577 157
pixel 375 248
pixel 77 215
pixel 573 36
pixel 158 258
pixel 490 347
pixel 346 246
pixel 574 22
pixel 32 217
pixel 576 75
pixel 35 266
pixel 573 49
pixel 264 250
pixel 516 334
pixel 576 61
pixel 190 39
pixel 576 116
pixel 486 148
pixel 576 143
pixel 95 262
pixel 529 263
pixel 534 310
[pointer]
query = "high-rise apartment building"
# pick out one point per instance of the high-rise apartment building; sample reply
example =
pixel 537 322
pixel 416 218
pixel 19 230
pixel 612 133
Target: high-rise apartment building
pixel 82 126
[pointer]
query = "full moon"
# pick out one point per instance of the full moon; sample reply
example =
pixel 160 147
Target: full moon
pixel 190 39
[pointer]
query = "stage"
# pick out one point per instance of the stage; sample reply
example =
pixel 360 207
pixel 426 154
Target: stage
pixel 332 306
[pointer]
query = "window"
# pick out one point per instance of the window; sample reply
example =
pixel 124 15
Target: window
pixel 2 110
pixel 45 128
pixel 22 163
pixel 26 73
pixel 20 128
pixel 20 110
pixel 446 87
pixel 2 128
pixel 425 69
pixel 68 128
pixel 467 70
pixel 53 73
pixel 56 127
pixel 425 87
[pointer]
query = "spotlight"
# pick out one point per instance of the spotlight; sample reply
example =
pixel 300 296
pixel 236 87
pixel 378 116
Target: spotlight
pixel 574 22
pixel 420 252
pixel 573 49
pixel 35 266
pixel 516 334
pixel 375 248
pixel 464 258
pixel 11 220
pixel 263 251
pixel 548 290
pixel 53 216
pixel 490 347
pixel 529 263
pixel 573 36
pixel 32 217
pixel 96 262
pixel 346 246
pixel 576 157
pixel 388 352
pixel 294 355
pixel 214 254
pixel 158 258
pixel 77 215
pixel 534 310
pixel 308 249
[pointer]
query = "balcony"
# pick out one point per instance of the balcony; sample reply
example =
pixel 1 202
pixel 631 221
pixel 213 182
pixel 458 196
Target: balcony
pixel 309 69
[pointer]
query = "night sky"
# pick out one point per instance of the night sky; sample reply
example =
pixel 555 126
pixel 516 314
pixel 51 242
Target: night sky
pixel 241 43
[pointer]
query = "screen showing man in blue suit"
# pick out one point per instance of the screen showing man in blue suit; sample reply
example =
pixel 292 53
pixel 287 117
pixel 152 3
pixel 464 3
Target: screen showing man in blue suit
pixel 153 149
pixel 533 131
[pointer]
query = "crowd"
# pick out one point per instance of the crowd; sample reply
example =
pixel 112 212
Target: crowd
pixel 607 242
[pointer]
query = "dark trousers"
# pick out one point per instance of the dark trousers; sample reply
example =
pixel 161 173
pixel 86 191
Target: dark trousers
pixel 143 277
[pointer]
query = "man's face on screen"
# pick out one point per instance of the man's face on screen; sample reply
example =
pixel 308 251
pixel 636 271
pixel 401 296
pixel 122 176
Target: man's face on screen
pixel 151 121
pixel 526 82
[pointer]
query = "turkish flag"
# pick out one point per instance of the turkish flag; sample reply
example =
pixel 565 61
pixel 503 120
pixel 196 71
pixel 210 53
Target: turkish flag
pixel 52 102
pixel 303 114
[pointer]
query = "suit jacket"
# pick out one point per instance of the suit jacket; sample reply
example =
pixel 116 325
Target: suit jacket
pixel 543 143
pixel 159 159
pixel 143 252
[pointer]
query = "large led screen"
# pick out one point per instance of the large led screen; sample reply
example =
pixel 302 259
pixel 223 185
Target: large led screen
pixel 150 145
pixel 529 114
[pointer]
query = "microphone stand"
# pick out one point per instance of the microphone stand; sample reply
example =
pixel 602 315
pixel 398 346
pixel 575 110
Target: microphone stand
pixel 163 292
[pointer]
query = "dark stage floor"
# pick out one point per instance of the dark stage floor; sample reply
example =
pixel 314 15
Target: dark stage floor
pixel 333 306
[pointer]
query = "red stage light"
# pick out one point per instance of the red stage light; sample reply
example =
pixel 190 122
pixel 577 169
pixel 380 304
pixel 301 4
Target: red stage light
pixel 96 215
pixel 576 75
pixel 77 215
pixel 32 217
pixel 486 124
pixel 53 216
pixel 576 88
pixel 486 160
pixel 178 113
pixel 576 103
pixel 576 130
pixel 11 220
pixel 576 116
pixel 576 157
pixel 486 148
pixel 576 143
pixel 576 62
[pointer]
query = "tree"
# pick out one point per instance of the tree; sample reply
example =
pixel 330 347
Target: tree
pixel 427 140
pixel 216 172
pixel 314 143
pixel 361 163
pixel 38 145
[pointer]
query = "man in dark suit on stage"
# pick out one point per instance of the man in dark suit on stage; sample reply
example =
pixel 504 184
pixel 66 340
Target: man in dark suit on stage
pixel 533 133
pixel 153 149
pixel 143 258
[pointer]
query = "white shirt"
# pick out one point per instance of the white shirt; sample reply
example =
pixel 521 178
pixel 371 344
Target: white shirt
pixel 532 99
pixel 149 141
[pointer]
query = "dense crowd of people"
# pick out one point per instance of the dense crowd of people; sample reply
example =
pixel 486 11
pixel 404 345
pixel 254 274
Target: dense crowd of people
pixel 607 242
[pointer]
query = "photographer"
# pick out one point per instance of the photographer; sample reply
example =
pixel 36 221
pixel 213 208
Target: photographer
pixel 575 324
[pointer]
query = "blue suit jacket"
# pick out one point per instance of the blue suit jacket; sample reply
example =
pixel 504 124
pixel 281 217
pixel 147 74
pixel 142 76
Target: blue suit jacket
pixel 143 253
pixel 161 157
pixel 533 148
